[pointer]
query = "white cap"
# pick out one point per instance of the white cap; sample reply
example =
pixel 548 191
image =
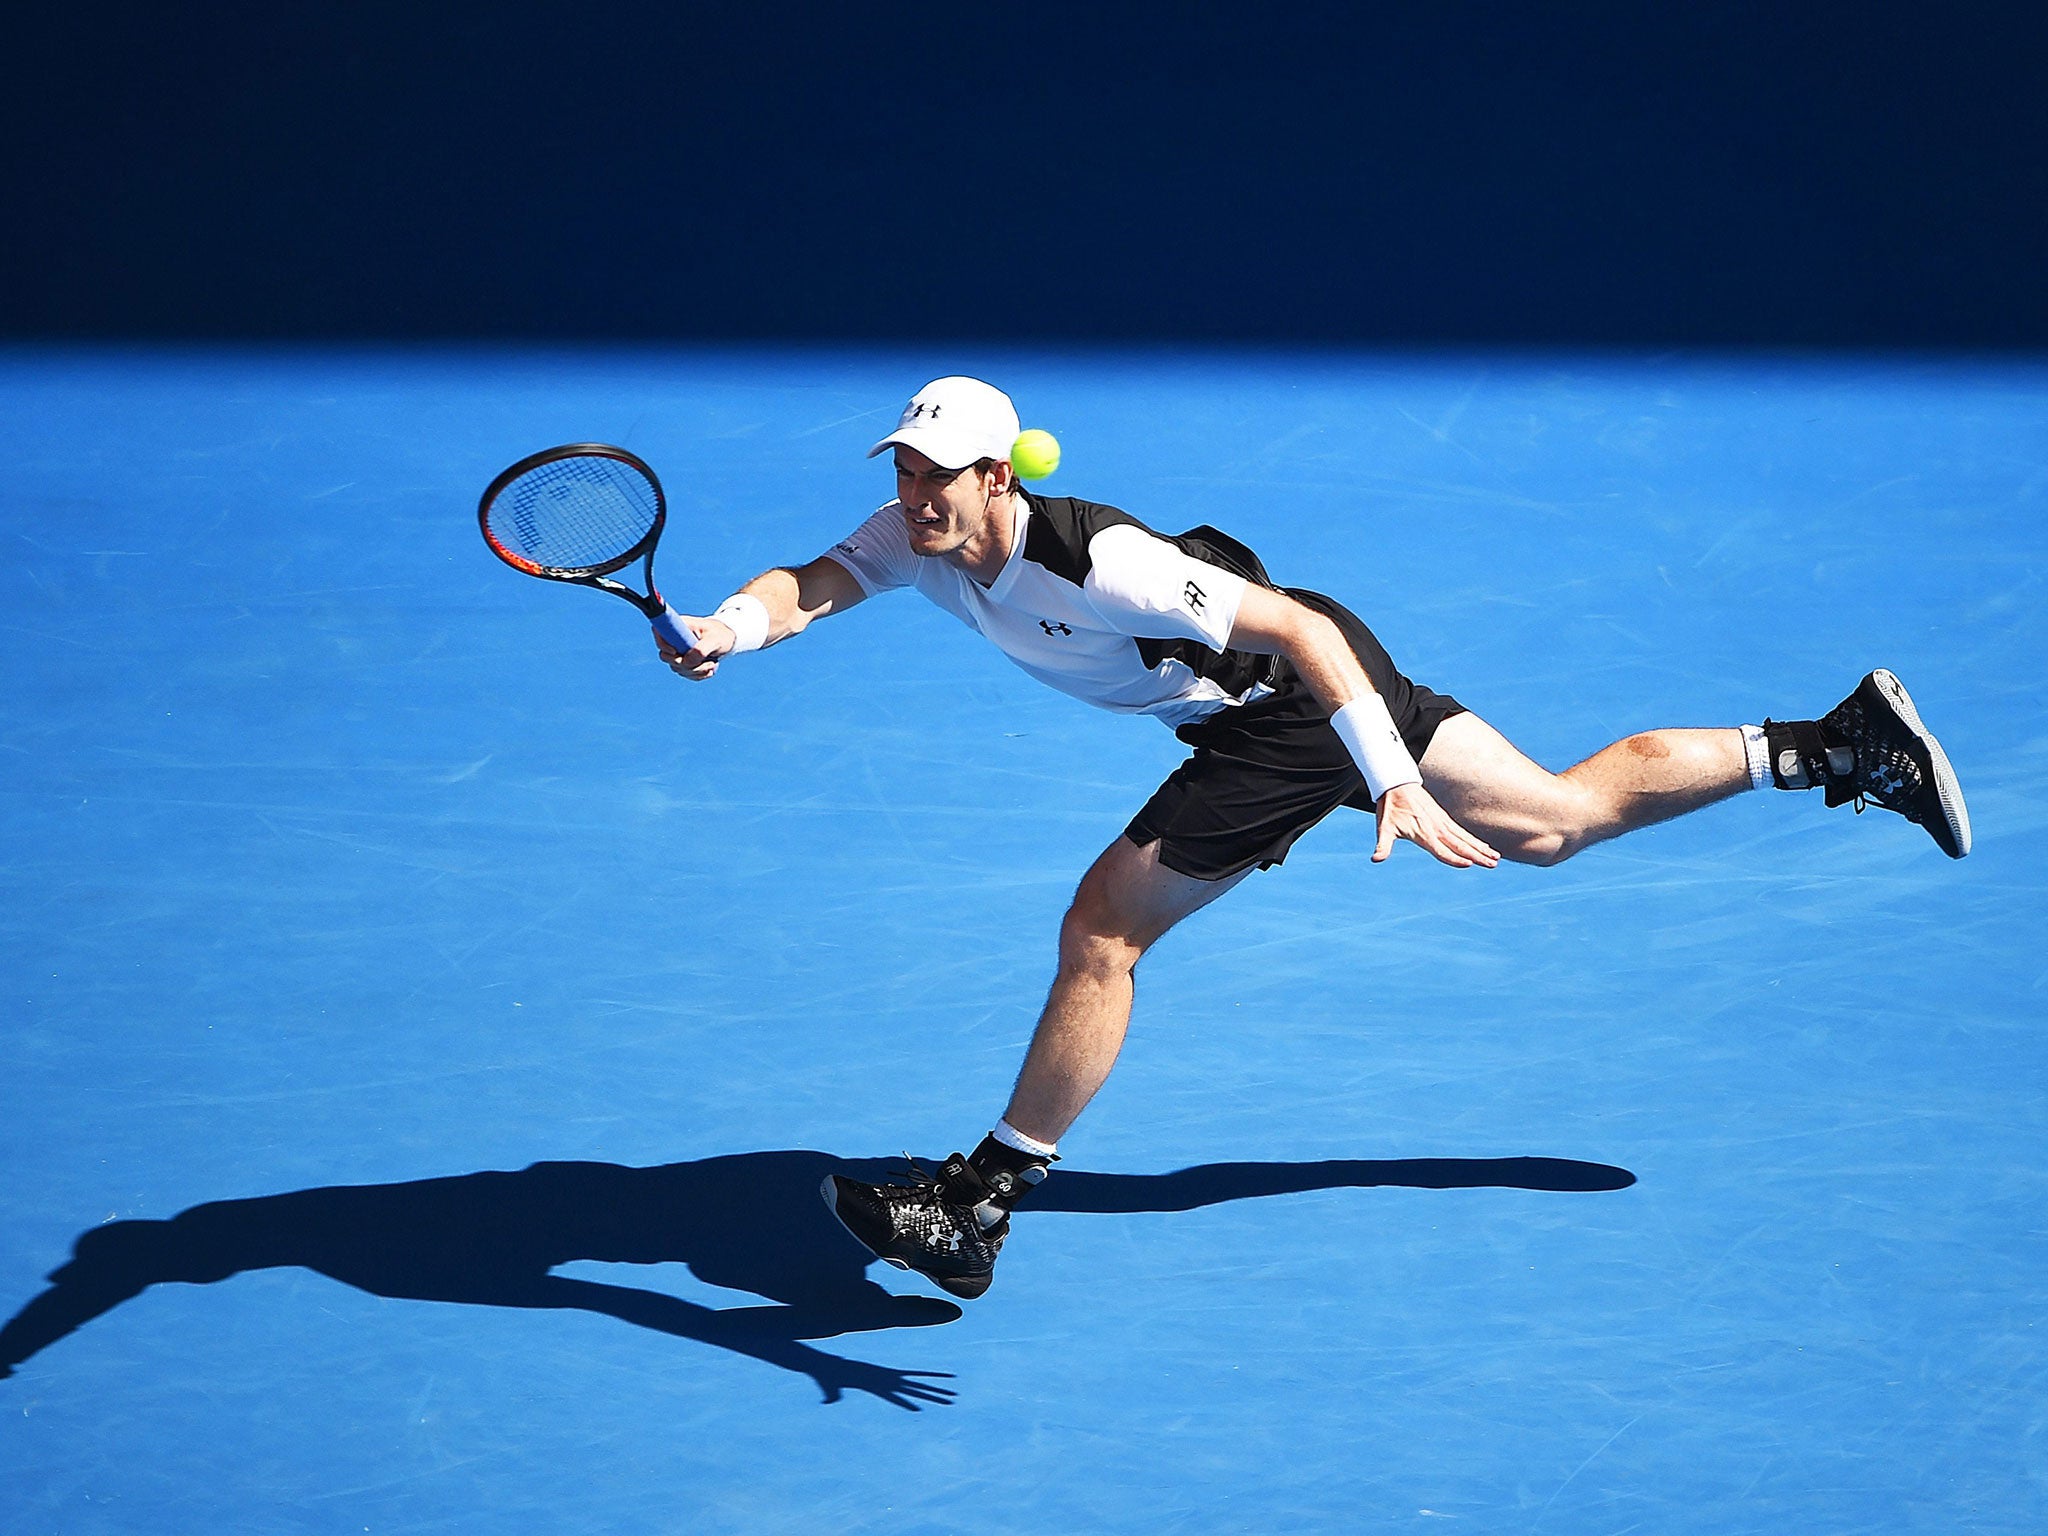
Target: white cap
pixel 956 422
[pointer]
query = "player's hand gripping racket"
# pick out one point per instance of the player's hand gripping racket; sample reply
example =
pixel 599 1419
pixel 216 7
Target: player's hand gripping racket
pixel 578 513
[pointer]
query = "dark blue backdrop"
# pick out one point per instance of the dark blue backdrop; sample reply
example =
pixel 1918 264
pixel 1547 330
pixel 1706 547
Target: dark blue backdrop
pixel 1872 174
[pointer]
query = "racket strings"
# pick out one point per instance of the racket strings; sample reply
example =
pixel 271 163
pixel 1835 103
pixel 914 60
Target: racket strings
pixel 586 513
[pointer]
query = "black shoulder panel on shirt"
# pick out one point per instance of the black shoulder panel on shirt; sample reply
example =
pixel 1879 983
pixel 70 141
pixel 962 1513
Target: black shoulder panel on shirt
pixel 1058 533
pixel 1057 539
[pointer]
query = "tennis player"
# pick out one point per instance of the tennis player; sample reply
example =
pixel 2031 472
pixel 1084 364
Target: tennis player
pixel 1293 709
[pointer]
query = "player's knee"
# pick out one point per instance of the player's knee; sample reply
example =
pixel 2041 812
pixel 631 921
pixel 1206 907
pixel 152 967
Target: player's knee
pixel 1098 957
pixel 1563 823
pixel 1095 937
pixel 1576 828
pixel 1544 849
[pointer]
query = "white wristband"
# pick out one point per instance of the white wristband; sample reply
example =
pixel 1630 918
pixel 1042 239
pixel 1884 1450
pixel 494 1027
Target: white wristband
pixel 1368 733
pixel 747 617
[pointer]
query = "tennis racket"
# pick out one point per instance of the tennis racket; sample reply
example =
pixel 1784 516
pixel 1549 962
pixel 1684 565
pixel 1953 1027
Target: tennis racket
pixel 578 513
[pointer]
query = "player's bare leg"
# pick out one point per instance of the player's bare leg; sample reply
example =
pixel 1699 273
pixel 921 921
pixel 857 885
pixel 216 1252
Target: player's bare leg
pixel 951 1227
pixel 1534 816
pixel 1872 748
pixel 1125 903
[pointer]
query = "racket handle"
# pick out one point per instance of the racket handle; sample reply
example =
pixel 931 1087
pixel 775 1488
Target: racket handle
pixel 670 626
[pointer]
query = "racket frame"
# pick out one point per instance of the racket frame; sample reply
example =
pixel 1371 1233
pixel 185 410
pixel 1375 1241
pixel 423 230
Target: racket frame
pixel 651 603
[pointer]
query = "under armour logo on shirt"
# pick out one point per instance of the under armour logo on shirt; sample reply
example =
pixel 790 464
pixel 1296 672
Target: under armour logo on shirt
pixel 1052 628
pixel 1193 597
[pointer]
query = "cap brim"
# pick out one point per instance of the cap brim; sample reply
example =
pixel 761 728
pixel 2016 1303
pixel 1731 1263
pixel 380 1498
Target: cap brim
pixel 939 451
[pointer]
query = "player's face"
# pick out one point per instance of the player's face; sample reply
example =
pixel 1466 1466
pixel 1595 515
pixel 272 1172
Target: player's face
pixel 945 508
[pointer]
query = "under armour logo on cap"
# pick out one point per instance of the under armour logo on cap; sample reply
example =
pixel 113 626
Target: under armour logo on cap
pixel 979 422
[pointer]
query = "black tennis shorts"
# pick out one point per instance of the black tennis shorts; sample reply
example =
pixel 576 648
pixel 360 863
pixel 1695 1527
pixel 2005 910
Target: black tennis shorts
pixel 1264 773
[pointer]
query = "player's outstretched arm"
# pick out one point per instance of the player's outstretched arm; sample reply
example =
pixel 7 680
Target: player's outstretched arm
pixel 1273 623
pixel 770 608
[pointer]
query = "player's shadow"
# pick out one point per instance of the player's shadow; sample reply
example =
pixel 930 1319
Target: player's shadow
pixel 751 1222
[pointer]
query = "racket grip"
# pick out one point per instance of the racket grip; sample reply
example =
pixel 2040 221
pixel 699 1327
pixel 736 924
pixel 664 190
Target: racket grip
pixel 670 626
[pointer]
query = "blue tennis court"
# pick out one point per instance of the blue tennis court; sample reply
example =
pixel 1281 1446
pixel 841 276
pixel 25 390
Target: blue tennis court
pixel 430 1019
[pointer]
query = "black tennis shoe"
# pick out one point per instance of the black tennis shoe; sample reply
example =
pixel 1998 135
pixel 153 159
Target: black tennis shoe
pixel 929 1226
pixel 1871 748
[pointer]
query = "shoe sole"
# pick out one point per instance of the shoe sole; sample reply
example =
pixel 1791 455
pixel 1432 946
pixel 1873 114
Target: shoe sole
pixel 831 1198
pixel 1946 788
pixel 966 1290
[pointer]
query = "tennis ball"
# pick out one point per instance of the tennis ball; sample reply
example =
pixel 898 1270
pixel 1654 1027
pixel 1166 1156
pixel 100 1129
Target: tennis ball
pixel 1035 454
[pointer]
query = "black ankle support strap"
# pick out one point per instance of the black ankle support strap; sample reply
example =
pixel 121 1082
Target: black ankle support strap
pixel 1008 1174
pixel 960 1182
pixel 1799 757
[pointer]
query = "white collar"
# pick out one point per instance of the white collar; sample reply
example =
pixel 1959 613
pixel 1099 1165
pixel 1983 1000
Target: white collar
pixel 1006 578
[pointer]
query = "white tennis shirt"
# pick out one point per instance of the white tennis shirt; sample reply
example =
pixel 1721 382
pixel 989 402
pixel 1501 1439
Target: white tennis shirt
pixel 1082 604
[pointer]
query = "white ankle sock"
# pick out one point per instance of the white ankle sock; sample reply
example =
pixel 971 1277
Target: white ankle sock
pixel 1757 750
pixel 1013 1138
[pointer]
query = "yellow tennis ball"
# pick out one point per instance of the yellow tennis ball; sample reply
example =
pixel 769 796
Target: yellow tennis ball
pixel 1035 454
